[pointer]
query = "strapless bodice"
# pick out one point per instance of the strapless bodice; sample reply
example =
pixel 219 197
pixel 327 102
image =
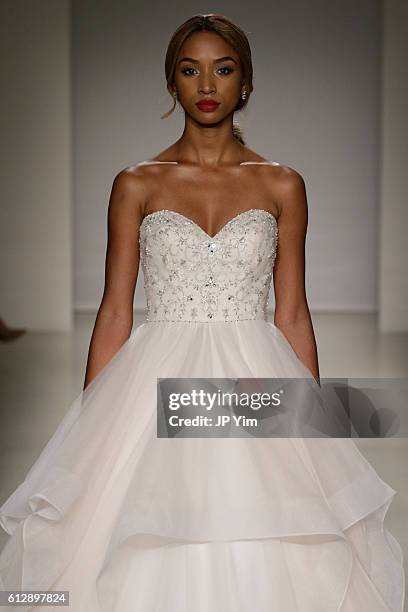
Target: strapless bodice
pixel 191 276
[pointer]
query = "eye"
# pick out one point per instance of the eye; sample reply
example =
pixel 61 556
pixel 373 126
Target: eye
pixel 185 71
pixel 229 70
pixel 225 70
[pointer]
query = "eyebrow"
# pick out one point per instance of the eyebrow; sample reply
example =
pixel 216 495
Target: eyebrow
pixel 220 59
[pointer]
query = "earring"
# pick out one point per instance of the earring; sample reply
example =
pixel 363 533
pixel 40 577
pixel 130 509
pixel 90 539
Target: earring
pixel 175 95
pixel 243 94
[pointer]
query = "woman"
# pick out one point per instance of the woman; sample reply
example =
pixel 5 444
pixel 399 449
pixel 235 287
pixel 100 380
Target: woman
pixel 126 520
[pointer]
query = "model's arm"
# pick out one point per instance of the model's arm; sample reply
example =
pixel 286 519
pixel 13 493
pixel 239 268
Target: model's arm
pixel 292 314
pixel 114 319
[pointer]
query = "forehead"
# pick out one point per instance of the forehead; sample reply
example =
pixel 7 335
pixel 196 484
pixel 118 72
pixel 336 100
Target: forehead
pixel 206 45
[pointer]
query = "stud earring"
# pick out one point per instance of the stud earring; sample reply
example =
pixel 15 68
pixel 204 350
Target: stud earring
pixel 243 94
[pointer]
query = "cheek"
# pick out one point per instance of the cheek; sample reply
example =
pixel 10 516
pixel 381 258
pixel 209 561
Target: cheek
pixel 186 87
pixel 229 90
pixel 230 85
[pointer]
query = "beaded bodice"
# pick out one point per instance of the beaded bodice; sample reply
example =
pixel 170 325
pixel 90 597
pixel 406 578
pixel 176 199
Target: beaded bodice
pixel 191 276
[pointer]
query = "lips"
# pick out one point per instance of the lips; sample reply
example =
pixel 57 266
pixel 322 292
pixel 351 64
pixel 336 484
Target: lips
pixel 207 105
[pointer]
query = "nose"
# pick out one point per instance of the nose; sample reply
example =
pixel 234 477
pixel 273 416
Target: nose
pixel 206 89
pixel 206 83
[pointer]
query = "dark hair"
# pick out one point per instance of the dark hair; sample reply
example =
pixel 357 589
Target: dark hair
pixel 232 34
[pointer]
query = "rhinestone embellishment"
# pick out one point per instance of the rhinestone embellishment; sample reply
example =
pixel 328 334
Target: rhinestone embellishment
pixel 190 276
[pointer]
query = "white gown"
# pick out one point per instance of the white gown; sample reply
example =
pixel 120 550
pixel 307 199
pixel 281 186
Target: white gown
pixel 130 522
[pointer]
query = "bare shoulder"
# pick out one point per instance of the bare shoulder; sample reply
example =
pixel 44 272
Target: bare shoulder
pixel 132 177
pixel 130 188
pixel 288 189
pixel 127 180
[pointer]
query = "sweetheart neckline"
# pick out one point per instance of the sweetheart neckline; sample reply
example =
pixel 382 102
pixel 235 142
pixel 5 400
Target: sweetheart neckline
pixel 237 216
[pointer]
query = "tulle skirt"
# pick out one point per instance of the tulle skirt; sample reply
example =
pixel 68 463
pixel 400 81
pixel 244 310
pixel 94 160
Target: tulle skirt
pixel 125 520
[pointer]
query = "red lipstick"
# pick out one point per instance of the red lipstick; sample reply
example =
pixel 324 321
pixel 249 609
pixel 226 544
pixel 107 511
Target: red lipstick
pixel 207 105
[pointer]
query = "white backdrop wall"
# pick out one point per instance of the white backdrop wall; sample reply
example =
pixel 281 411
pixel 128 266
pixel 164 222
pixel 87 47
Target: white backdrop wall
pixel 393 261
pixel 315 107
pixel 35 145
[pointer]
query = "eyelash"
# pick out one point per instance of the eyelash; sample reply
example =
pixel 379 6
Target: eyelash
pixel 184 70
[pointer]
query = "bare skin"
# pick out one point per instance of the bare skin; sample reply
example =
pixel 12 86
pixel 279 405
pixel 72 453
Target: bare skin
pixel 210 187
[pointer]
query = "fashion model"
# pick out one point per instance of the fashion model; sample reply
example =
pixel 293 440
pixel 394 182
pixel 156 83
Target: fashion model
pixel 128 521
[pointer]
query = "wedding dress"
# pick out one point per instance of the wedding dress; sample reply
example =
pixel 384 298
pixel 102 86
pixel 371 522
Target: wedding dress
pixel 130 522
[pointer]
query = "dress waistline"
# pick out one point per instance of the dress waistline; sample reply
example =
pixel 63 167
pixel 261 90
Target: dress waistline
pixel 213 320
